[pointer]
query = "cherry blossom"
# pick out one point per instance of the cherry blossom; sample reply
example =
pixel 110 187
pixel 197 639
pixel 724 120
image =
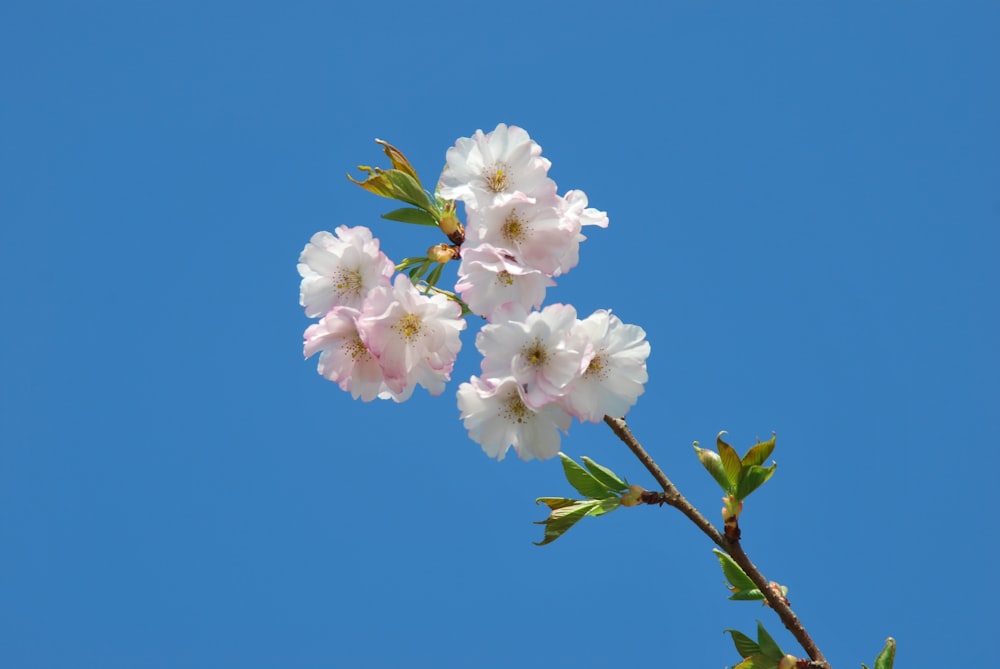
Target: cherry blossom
pixel 490 277
pixel 414 336
pixel 497 417
pixel 535 232
pixel 541 350
pixel 615 376
pixel 486 170
pixel 341 270
pixel 344 358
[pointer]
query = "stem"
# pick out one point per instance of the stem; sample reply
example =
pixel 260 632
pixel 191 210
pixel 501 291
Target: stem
pixel 674 498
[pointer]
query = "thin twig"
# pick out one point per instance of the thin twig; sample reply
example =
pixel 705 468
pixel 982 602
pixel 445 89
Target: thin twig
pixel 674 498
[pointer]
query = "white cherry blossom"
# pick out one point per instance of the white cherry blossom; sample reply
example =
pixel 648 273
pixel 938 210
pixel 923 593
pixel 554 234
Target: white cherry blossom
pixel 489 168
pixel 541 350
pixel 497 417
pixel 341 270
pixel 616 374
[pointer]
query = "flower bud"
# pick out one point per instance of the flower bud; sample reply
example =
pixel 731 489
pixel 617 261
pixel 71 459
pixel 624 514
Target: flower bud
pixel 451 226
pixel 633 496
pixel 442 253
pixel 788 662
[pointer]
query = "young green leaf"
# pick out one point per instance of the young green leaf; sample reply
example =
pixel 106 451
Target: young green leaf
pixel 887 657
pixel 754 476
pixel 733 572
pixel 606 506
pixel 435 275
pixel 751 595
pixel 713 464
pixel 398 160
pixel 583 480
pixel 747 663
pixel 556 502
pixel 760 452
pixel 767 644
pixel 730 461
pixel 562 519
pixel 417 271
pixel 607 477
pixel 410 215
pixel 745 646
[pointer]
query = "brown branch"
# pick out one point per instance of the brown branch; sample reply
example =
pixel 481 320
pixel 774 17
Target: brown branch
pixel 674 498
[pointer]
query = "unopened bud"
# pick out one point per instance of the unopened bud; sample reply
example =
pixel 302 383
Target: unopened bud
pixel 633 496
pixel 788 662
pixel 442 253
pixel 451 226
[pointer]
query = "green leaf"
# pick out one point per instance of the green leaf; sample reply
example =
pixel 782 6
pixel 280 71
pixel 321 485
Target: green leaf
pixel 754 476
pixel 583 481
pixel 562 519
pixel 396 185
pixel 733 572
pixel 745 646
pixel 418 271
pixel 759 452
pixel 767 645
pixel 606 506
pixel 607 477
pixel 757 662
pixel 398 160
pixel 730 461
pixel 556 502
pixel 713 464
pixel 410 215
pixel 887 657
pixel 435 275
pixel 864 666
pixel 406 263
pixel 752 595
pixel 748 663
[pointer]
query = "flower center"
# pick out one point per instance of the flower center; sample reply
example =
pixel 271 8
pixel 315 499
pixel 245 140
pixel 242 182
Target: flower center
pixel 497 177
pixel 409 326
pixel 504 278
pixel 514 410
pixel 348 282
pixel 597 367
pixel 536 354
pixel 357 349
pixel 513 229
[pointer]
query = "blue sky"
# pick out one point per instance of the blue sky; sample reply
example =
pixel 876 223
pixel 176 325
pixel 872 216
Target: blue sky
pixel 804 218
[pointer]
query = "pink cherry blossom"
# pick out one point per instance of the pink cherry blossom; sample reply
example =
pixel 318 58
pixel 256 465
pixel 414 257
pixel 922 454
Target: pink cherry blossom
pixel 341 270
pixel 497 417
pixel 414 336
pixel 489 277
pixel 344 358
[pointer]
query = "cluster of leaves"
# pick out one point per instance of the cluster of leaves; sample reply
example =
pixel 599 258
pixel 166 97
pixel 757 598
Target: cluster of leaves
pixel 602 488
pixel 763 653
pixel 737 476
pixel 403 184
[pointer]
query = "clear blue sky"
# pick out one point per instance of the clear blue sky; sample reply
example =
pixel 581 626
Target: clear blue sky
pixel 804 212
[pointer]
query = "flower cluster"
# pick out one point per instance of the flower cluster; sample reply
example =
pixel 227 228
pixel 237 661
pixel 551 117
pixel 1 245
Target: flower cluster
pixel 519 232
pixel 540 369
pixel 375 338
